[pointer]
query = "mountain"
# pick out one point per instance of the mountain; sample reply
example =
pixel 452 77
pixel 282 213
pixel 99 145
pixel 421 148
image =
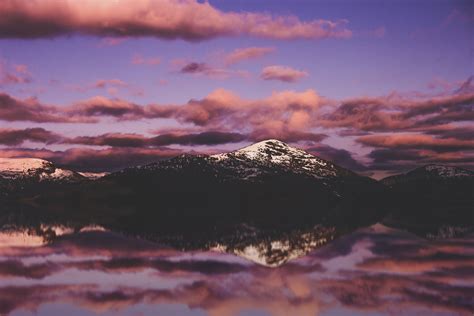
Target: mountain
pixel 433 201
pixel 429 172
pixel 269 202
pixel 33 169
pixel 269 185
pixel 200 200
pixel 268 154
pixel 26 179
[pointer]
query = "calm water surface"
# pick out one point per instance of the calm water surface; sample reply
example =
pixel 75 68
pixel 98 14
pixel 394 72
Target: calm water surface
pixel 375 271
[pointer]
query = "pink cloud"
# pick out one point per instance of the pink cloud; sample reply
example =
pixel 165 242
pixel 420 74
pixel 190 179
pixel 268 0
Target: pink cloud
pixel 282 73
pixel 103 83
pixel 13 109
pixel 15 137
pixel 241 54
pixel 14 74
pixel 112 41
pixel 223 107
pixel 169 19
pixel 140 60
pixel 416 141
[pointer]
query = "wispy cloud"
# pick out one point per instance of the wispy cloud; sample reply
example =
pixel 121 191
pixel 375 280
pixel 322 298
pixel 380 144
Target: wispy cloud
pixel 282 73
pixel 248 53
pixel 138 59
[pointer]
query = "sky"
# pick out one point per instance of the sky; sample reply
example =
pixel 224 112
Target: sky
pixel 378 87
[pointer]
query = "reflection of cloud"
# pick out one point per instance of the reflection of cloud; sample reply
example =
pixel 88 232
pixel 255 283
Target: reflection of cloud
pixel 222 285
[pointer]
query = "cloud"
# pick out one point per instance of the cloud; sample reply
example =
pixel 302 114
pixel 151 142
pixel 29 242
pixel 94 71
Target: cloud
pixel 396 159
pixel 416 141
pixel 285 135
pixel 366 114
pixel 12 109
pixel 85 159
pixel 168 19
pixel 111 139
pixel 112 41
pixel 372 270
pixel 282 73
pixel 120 109
pixel 103 83
pixel 207 70
pixel 338 156
pixel 15 137
pixel 14 74
pixel 397 113
pixel 194 67
pixel 135 140
pixel 241 54
pixel 112 86
pixel 150 61
pixel 223 107
pixel 451 131
pixel 15 268
pixel 204 138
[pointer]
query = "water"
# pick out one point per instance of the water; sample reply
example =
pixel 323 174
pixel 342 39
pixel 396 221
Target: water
pixel 374 271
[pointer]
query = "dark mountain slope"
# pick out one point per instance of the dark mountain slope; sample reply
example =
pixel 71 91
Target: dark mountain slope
pixel 433 200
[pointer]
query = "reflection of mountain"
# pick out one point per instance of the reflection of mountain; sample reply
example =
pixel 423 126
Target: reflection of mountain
pixel 268 201
pixel 375 270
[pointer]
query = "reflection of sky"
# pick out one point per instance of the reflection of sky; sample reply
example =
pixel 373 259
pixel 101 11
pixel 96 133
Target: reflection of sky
pixel 375 271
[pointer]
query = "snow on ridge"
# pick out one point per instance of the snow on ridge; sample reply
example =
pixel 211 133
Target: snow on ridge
pixel 22 164
pixel 447 171
pixel 16 168
pixel 93 175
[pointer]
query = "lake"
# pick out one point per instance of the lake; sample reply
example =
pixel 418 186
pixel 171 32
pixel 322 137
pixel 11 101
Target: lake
pixel 373 271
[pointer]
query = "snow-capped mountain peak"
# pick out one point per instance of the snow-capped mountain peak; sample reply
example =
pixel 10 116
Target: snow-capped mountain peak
pixel 446 171
pixel 23 164
pixel 272 152
pixel 24 168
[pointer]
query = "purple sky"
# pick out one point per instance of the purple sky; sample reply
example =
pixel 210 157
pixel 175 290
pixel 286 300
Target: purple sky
pixel 376 86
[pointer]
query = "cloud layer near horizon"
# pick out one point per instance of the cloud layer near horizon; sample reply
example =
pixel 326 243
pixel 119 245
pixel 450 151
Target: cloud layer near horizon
pixel 398 130
pixel 168 19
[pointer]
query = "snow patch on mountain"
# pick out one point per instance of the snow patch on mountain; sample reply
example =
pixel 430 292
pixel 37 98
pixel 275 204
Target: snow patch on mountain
pixel 23 165
pixel 447 171
pixel 93 175
pixel 26 168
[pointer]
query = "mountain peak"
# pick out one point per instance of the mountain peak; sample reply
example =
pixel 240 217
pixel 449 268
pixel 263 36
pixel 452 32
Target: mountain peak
pixel 264 145
pixel 272 152
pixel 23 164
pixel 431 171
pixel 445 171
pixel 15 168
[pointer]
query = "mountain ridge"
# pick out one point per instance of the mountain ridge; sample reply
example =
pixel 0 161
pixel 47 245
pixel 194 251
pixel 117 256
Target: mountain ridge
pixel 268 185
